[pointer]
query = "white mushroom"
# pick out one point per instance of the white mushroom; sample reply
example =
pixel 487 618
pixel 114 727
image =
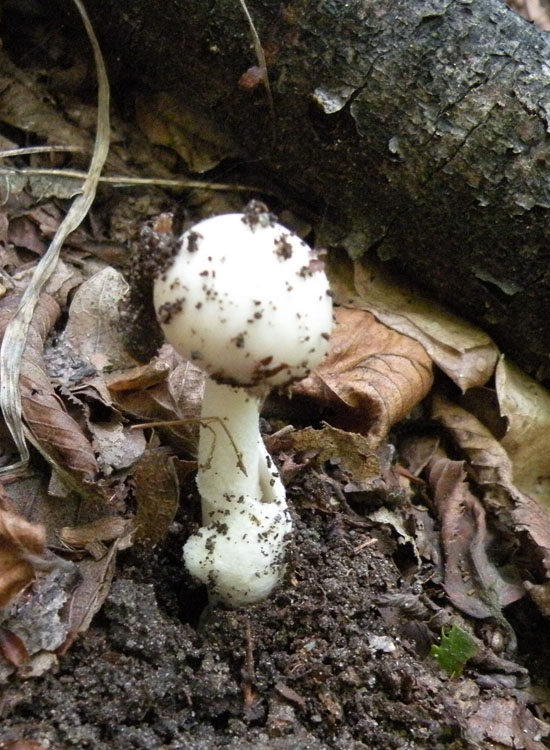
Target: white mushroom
pixel 248 301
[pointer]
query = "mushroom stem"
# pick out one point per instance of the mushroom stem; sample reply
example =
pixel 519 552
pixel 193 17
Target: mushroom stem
pixel 228 446
pixel 239 549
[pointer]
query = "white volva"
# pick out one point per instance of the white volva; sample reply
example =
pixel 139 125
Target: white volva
pixel 247 301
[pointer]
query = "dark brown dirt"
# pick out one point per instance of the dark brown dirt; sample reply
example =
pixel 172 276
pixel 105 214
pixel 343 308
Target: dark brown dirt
pixel 299 671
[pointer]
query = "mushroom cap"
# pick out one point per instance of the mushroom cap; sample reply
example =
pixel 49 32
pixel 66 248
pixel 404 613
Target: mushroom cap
pixel 246 300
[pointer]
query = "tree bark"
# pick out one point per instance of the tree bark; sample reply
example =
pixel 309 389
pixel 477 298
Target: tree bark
pixel 414 130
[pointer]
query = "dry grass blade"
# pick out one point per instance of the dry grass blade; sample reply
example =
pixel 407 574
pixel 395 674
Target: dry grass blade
pixel 9 152
pixel 122 180
pixel 13 344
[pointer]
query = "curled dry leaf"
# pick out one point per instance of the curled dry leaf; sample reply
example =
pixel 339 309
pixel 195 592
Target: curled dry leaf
pixel 492 468
pixel 178 396
pixel 56 432
pixel 372 377
pixel 487 457
pixel 139 377
pixel 465 353
pixel 60 284
pixel 91 536
pixel 22 548
pixel 473 583
pixel 88 597
pixel 526 406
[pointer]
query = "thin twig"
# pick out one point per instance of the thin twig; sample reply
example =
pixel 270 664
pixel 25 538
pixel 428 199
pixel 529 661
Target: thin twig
pixel 8 152
pixel 202 422
pixel 262 64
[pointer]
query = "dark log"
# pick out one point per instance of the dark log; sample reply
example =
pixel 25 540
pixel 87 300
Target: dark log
pixel 414 130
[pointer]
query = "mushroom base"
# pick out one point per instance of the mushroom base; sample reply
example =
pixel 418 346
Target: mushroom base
pixel 239 550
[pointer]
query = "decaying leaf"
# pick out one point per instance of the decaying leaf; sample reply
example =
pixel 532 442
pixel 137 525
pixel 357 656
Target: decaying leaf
pixel 526 405
pixel 24 233
pixel 93 329
pixel 493 469
pixel 88 597
pixel 22 550
pixel 192 134
pixel 176 397
pixel 118 446
pixel 351 451
pixel 465 353
pixel 504 722
pixel 24 105
pixel 157 493
pixel 391 518
pixel 56 432
pixel 92 536
pixel 37 618
pixel 13 648
pixel 473 583
pixel 486 456
pixel 63 280
pixel 372 376
pixel 139 377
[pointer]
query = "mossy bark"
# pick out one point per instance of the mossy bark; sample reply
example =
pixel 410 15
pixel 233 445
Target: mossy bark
pixel 416 130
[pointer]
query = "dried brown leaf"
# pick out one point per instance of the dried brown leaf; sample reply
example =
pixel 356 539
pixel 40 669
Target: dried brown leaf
pixel 93 589
pixel 176 397
pixel 372 377
pixel 24 105
pixel 22 548
pixel 93 330
pixel 105 529
pixel 351 451
pixel 486 455
pixel 493 467
pixel 63 280
pixel 13 648
pixel 416 451
pixel 464 352
pixel 157 493
pixel 191 133
pixel 526 406
pixel 57 433
pixel 473 583
pixel 505 722
pixel 140 377
pixel 534 519
pixel 24 233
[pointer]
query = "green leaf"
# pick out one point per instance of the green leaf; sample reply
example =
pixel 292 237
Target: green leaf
pixel 457 646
